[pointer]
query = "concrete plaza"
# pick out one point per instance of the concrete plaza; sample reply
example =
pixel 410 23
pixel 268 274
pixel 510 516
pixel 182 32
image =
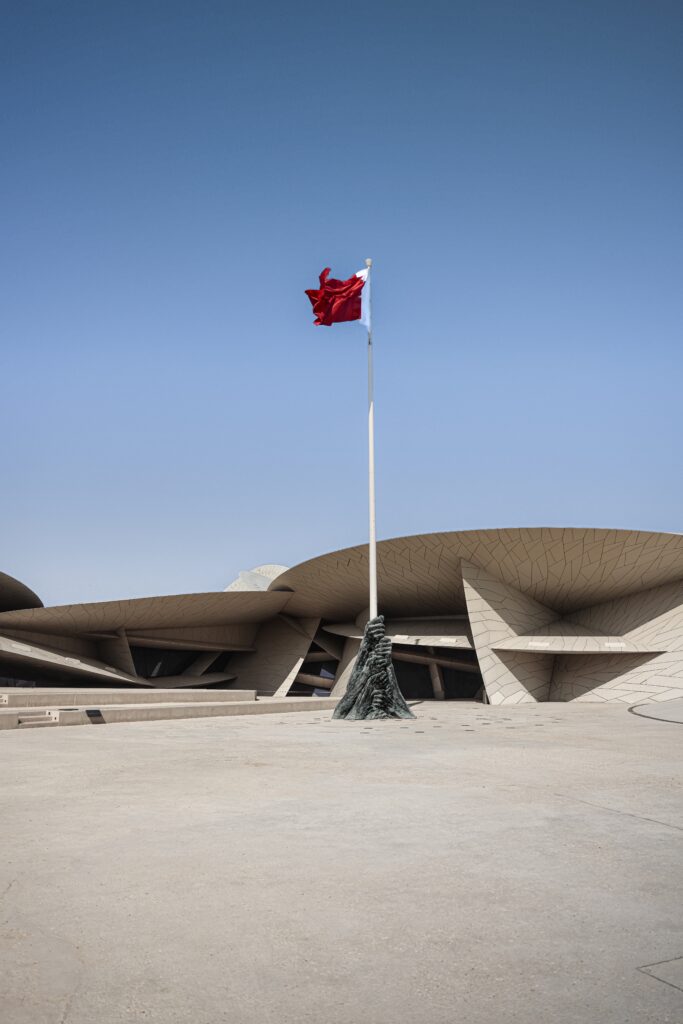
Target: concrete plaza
pixel 480 865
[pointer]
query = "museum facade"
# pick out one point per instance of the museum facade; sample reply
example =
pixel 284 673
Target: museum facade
pixel 506 616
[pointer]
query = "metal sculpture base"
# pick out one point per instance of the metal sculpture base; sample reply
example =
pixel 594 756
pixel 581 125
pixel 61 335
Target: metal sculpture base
pixel 373 690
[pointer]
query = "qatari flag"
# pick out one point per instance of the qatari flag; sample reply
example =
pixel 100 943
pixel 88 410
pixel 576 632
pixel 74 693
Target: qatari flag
pixel 336 302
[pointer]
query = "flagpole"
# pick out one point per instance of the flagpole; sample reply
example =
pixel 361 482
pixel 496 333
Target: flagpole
pixel 372 559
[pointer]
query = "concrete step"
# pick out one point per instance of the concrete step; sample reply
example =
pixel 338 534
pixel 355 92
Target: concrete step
pixel 26 719
pixel 109 714
pixel 41 697
pixel 158 712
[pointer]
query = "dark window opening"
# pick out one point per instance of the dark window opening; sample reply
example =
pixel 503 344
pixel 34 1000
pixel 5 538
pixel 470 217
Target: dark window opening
pixel 326 669
pixel 221 663
pixel 415 680
pixel 461 685
pixel 156 663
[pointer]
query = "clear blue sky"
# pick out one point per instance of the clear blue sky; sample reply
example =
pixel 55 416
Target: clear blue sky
pixel 175 174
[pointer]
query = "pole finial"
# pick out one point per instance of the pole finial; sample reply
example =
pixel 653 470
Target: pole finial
pixel 368 263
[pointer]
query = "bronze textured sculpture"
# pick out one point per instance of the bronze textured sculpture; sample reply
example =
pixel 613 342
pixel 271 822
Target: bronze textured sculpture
pixel 373 690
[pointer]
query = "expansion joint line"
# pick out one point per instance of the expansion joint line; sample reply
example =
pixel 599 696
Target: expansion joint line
pixel 615 810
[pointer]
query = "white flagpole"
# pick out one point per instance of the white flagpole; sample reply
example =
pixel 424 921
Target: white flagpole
pixel 371 459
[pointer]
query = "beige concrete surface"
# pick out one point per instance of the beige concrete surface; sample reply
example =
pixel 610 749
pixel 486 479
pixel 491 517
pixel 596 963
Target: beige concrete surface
pixel 140 613
pixel 553 614
pixel 565 568
pixel 480 865
pixel 497 612
pixel 447 631
pixel 158 712
pixel 105 714
pixel 52 696
pixel 626 585
pixel 672 711
pixel 281 647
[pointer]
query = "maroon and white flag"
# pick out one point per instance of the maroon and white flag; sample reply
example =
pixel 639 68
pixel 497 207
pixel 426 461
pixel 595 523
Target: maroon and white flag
pixel 337 302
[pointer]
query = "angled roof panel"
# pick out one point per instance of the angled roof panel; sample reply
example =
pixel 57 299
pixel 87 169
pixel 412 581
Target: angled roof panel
pixel 568 644
pixel 563 568
pixel 15 594
pixel 212 609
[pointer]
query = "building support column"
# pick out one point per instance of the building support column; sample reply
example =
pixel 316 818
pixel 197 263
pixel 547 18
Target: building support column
pixel 437 678
pixel 345 667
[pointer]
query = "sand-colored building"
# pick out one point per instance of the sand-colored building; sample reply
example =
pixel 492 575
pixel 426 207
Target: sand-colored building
pixel 508 616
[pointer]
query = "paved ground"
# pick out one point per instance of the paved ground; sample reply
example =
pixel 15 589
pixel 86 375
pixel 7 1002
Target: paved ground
pixel 478 866
pixel 670 711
